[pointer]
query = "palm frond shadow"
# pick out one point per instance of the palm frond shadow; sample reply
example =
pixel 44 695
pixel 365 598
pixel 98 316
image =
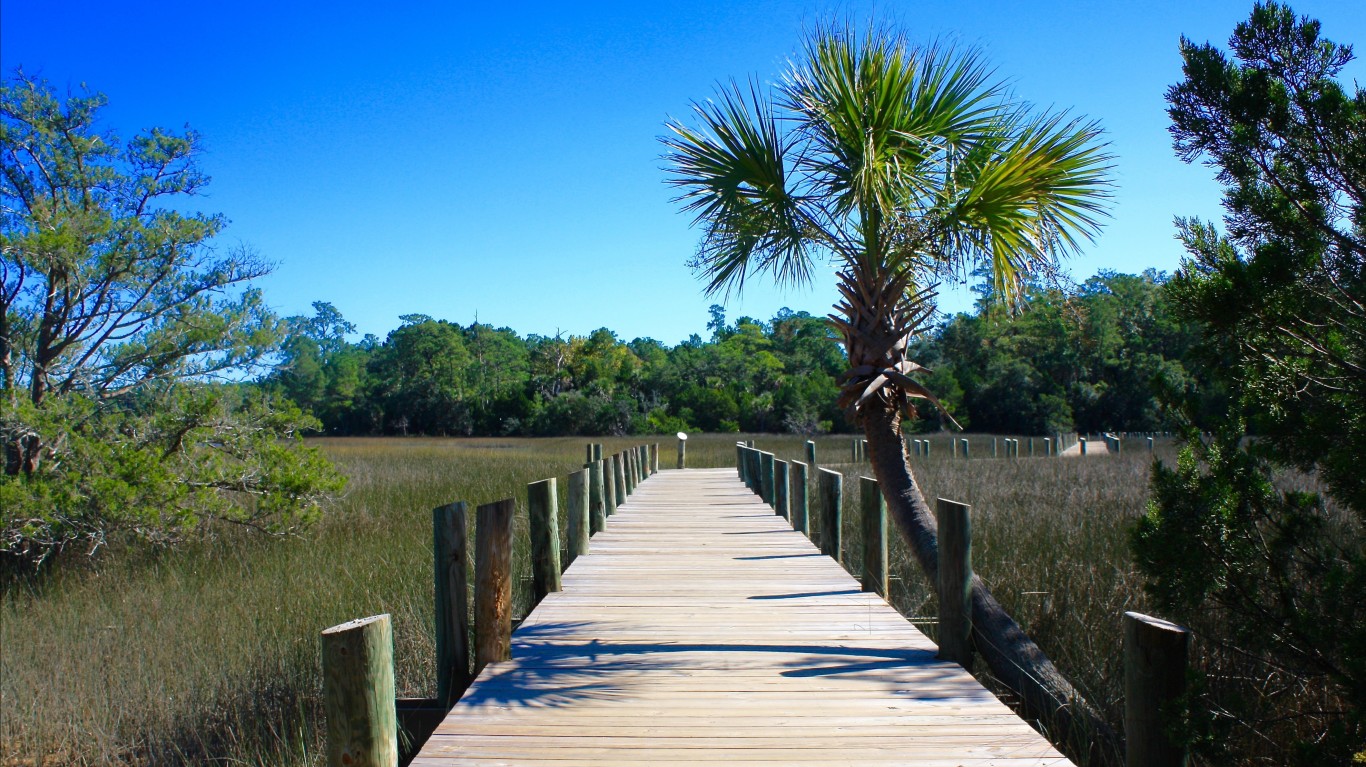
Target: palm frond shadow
pixel 554 666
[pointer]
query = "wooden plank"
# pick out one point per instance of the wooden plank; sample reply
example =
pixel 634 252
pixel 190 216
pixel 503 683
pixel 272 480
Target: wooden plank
pixel 702 629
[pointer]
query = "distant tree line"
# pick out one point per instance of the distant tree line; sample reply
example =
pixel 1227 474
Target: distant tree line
pixel 1081 358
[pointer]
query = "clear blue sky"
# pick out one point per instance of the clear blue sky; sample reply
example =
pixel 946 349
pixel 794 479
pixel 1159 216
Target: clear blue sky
pixel 456 159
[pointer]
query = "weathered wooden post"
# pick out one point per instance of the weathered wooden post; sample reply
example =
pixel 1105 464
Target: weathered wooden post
pixel 1047 446
pixel 756 461
pixel 588 453
pixel 874 536
pixel 450 553
pixel 780 488
pixel 597 498
pixel 1082 441
pixel 1150 444
pixel 682 450
pixel 797 498
pixel 964 440
pixel 619 483
pixel 925 448
pixel 955 582
pixel 654 458
pixel 1156 653
pixel 993 447
pixel 740 460
pixel 831 497
pixel 811 454
pixel 863 449
pixel 493 583
pixel 1031 447
pixel 643 453
pixel 766 477
pixel 542 502
pixel 628 472
pixel 358 693
pixel 609 485
pixel 576 500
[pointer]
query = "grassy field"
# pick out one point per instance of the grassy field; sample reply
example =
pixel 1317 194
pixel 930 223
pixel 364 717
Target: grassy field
pixel 208 655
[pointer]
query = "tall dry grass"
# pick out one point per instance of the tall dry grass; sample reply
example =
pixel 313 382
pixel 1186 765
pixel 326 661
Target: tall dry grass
pixel 208 655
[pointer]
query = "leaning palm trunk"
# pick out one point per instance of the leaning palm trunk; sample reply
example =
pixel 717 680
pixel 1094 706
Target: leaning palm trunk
pixel 879 318
pixel 1013 658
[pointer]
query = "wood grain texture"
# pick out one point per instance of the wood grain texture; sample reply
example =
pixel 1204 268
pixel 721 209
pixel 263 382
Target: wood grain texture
pixel 358 693
pixel 493 583
pixel 703 629
pixel 450 558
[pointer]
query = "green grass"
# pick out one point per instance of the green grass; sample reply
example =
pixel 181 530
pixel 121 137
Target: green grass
pixel 208 655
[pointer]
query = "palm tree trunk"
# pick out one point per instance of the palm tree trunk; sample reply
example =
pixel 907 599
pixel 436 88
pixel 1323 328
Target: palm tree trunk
pixel 1014 659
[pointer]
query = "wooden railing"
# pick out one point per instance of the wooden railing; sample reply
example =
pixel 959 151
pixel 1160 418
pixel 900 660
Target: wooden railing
pixel 1155 651
pixel 366 723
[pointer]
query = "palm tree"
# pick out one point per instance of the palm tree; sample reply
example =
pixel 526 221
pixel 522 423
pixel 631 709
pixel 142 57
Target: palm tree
pixel 903 166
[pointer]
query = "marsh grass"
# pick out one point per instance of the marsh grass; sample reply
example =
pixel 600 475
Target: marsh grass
pixel 208 654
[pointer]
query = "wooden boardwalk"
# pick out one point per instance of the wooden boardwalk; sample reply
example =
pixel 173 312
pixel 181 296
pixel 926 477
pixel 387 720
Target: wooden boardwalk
pixel 702 629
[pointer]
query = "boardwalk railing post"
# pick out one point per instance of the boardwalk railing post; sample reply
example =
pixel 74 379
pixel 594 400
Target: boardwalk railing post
pixel 628 471
pixel 766 477
pixel 874 525
pixel 358 693
pixel 597 451
pixel 964 440
pixel 955 582
pixel 609 485
pixel 450 555
pixel 542 501
pixel 643 461
pixel 682 450
pixel 619 471
pixel 654 457
pixel 493 583
pixel 780 488
pixel 740 461
pixel 588 453
pixel 755 469
pixel 576 500
pixel 811 454
pixel 1155 656
pixel 597 498
pixel 797 498
pixel 831 499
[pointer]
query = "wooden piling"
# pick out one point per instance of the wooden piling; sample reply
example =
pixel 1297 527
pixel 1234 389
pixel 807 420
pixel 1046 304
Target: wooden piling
pixel 358 693
pixel 766 477
pixel 450 557
pixel 964 440
pixel 1156 653
pixel 619 467
pixel 780 489
pixel 831 498
pixel 654 458
pixel 576 514
pixel 797 498
pixel 682 450
pixel 874 525
pixel 493 583
pixel 542 502
pixel 597 498
pixel 811 454
pixel 628 472
pixel 609 485
pixel 955 582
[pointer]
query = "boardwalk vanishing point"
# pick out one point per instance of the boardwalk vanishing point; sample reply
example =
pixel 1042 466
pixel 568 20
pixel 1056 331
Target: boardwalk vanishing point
pixel 701 628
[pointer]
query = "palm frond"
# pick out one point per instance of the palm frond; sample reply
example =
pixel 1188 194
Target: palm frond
pixel 735 178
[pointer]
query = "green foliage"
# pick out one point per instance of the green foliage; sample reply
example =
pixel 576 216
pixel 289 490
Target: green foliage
pixel 116 311
pixel 1276 572
pixel 160 467
pixel 1084 359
